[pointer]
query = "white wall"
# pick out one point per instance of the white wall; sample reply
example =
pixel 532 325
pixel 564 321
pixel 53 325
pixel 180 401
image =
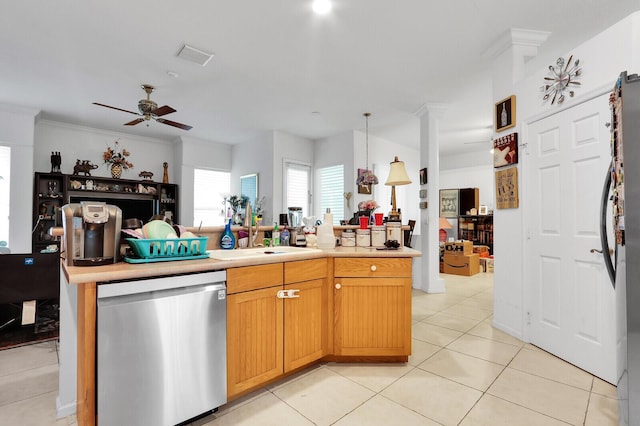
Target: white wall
pixel 192 153
pixel 381 153
pixel 287 147
pixel 331 152
pixel 349 148
pixel 84 143
pixel 17 132
pixel 480 176
pixel 602 58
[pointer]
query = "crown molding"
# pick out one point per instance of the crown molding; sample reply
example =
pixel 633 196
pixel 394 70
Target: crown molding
pixel 516 37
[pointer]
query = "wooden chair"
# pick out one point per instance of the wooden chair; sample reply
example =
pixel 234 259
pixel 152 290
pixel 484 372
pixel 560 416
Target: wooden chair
pixel 408 233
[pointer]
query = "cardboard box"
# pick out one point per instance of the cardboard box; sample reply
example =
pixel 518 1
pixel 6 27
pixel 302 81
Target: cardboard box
pixel 467 265
pixel 458 248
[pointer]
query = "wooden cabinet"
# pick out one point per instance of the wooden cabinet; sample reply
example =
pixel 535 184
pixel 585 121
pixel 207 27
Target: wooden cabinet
pixel 48 197
pixel 306 314
pixel 254 327
pixel 478 229
pixel 372 303
pixel 275 321
pixel 469 198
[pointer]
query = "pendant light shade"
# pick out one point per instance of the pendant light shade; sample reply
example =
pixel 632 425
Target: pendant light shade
pixel 397 174
pixel 366 177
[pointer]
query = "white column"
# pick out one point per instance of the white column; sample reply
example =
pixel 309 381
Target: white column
pixel 430 116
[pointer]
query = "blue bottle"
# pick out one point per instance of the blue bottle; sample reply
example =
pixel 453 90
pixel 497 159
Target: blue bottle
pixel 227 239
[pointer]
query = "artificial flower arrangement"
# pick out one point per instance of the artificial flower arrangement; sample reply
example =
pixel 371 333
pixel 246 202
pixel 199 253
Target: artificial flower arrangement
pixel 238 202
pixel 116 156
pixel 368 205
pixel 366 177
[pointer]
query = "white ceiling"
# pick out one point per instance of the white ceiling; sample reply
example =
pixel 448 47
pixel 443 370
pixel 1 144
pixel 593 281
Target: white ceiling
pixel 277 65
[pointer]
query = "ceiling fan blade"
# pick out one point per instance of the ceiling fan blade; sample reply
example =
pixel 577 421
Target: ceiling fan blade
pixel 174 124
pixel 163 110
pixel 119 109
pixel 134 122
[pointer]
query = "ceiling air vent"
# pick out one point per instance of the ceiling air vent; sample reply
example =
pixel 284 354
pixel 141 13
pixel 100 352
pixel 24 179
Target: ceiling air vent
pixel 192 54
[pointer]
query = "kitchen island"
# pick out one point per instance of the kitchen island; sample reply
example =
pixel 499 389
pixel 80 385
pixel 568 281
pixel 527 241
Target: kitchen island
pixel 357 303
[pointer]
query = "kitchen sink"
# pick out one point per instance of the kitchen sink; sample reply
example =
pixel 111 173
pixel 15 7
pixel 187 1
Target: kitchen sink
pixel 258 252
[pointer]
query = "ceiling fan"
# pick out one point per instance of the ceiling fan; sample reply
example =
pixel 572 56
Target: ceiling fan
pixel 148 110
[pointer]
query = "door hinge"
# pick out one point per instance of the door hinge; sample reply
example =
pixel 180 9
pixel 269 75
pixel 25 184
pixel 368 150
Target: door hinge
pixel 528 318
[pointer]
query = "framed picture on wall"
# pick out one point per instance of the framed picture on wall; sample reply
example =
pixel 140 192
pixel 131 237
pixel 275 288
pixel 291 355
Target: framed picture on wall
pixel 505 150
pixel 449 202
pixel 505 113
pixel 363 188
pixel 423 176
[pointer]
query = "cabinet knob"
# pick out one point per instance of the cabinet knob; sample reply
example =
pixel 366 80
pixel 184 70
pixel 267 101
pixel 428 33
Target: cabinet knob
pixel 338 286
pixel 373 267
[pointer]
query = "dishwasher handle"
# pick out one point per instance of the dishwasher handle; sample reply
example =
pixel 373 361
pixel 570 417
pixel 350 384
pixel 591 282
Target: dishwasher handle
pixel 160 294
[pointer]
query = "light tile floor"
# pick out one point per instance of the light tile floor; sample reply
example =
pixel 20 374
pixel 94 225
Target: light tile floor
pixel 462 372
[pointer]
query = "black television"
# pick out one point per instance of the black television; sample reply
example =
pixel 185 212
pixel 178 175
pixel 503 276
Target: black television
pixel 32 276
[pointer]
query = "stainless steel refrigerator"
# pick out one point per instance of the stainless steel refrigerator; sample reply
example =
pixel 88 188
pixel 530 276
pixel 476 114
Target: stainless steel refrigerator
pixel 620 212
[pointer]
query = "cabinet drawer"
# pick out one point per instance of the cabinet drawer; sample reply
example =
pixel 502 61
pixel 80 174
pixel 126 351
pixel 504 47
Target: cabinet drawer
pixel 372 267
pixel 305 270
pixel 253 277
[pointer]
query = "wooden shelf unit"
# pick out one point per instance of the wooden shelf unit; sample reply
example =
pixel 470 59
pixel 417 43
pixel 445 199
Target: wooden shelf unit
pixel 138 199
pixel 477 228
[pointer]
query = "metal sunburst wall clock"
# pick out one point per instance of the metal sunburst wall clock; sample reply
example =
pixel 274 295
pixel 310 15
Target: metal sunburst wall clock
pixel 561 80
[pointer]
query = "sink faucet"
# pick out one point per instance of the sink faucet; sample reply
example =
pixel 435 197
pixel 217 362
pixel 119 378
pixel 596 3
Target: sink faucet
pixel 248 223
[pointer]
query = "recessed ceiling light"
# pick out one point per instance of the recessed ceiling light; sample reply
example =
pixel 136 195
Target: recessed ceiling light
pixel 173 74
pixel 321 7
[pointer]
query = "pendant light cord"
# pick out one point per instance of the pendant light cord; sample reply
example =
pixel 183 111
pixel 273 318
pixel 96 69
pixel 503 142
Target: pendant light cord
pixel 366 116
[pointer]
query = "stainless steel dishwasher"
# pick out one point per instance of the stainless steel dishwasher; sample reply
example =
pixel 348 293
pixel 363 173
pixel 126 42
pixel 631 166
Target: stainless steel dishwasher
pixel 161 349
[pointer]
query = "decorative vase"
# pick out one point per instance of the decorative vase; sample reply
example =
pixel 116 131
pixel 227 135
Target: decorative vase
pixel 116 170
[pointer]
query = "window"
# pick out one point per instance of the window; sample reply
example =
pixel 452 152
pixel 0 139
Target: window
pixel 5 175
pixel 297 186
pixel 210 188
pixel 331 184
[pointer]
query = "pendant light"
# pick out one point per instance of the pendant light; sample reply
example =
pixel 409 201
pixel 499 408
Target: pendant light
pixel 366 177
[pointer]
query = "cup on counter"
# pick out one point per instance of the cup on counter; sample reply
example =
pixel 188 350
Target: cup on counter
pixel 364 222
pixel 379 218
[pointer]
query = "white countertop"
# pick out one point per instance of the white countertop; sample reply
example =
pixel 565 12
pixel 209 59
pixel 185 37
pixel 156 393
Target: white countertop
pixel 126 271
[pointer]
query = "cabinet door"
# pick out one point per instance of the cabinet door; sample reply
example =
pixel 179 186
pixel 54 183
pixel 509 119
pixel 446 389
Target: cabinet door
pixel 304 324
pixel 254 339
pixel 373 316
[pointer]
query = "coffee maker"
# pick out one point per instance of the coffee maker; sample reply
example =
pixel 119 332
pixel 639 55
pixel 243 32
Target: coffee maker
pixel 91 233
pixel 295 221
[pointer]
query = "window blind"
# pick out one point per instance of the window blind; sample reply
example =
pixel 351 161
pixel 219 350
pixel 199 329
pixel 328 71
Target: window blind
pixel 297 186
pixel 332 192
pixel 210 187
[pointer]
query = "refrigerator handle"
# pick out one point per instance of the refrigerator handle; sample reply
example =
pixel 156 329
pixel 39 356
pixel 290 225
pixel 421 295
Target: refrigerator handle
pixel 604 240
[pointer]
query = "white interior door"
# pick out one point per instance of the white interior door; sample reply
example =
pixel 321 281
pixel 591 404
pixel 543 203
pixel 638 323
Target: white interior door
pixel 570 301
